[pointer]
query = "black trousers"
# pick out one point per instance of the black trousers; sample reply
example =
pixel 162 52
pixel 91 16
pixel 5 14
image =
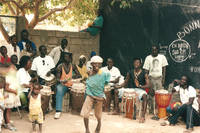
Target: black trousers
pixel 188 114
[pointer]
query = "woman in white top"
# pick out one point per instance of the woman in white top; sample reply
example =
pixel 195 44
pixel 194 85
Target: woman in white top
pixel 24 78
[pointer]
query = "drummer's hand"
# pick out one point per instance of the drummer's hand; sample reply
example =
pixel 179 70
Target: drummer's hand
pixel 48 74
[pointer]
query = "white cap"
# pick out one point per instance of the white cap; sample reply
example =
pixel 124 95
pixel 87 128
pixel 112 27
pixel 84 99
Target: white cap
pixel 82 56
pixel 96 59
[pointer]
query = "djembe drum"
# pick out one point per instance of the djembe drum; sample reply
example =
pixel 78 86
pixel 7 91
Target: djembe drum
pixel 129 100
pixel 45 96
pixel 162 100
pixel 77 93
pixel 50 81
pixel 107 102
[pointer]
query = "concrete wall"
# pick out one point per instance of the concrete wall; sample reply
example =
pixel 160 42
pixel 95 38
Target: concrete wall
pixel 78 42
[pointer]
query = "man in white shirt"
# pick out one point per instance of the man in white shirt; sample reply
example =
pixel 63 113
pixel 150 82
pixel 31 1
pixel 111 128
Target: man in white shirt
pixel 155 65
pixel 190 106
pixel 56 53
pixel 114 79
pixel 43 65
pixel 114 71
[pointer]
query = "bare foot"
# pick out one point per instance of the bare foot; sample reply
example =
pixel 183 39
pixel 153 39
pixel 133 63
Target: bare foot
pixel 87 131
pixel 97 131
pixel 142 120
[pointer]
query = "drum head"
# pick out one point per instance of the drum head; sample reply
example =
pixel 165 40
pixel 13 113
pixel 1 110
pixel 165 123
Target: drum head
pixel 51 77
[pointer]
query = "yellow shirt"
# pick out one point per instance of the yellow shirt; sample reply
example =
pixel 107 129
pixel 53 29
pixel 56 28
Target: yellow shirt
pixel 35 105
pixel 82 71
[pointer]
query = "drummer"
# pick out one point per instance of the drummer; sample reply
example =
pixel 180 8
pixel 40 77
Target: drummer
pixel 82 67
pixel 189 110
pixel 64 78
pixel 114 76
pixel 138 80
pixel 43 66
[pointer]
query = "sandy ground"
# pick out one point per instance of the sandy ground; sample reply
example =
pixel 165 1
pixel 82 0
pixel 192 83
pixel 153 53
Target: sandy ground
pixel 69 123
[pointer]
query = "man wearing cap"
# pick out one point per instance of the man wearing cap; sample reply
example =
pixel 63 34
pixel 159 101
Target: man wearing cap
pixel 82 67
pixel 57 52
pixel 95 92
pixel 64 78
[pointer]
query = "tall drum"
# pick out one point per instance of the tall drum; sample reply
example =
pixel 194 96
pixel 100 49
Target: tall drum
pixel 77 93
pixel 107 102
pixel 129 100
pixel 162 100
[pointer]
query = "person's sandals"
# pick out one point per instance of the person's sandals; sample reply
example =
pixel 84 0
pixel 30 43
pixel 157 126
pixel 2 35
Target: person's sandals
pixel 10 127
pixel 57 115
pixel 165 123
pixel 155 117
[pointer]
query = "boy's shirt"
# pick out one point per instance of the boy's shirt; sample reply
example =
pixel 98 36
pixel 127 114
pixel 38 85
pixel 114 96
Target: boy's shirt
pixel 95 84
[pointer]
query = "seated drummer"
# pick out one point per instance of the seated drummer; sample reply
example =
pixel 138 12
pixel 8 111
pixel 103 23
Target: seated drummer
pixel 43 65
pixel 114 76
pixel 82 67
pixel 64 75
pixel 138 80
pixel 189 108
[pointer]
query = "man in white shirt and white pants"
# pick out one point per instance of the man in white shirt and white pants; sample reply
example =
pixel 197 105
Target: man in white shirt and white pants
pixel 155 65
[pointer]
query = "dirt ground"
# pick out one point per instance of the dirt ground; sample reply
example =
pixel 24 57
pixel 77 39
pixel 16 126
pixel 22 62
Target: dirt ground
pixel 69 123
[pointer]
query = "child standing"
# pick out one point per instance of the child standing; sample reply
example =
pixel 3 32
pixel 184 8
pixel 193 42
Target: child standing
pixel 95 92
pixel 35 109
pixel 12 101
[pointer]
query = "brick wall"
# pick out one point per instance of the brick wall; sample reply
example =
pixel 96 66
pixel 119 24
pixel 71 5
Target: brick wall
pixel 78 42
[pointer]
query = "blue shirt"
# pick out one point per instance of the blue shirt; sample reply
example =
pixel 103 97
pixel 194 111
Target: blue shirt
pixel 21 46
pixel 95 84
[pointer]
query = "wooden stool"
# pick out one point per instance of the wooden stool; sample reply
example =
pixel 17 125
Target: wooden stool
pixel 65 105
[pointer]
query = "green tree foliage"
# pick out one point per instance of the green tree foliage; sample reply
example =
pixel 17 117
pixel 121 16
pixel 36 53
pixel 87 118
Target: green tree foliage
pixel 77 12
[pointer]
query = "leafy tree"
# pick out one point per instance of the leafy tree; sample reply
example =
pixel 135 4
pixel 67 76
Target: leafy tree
pixel 56 11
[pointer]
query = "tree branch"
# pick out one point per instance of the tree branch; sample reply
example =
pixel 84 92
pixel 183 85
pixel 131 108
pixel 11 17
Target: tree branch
pixel 11 9
pixel 4 32
pixel 35 19
pixel 56 10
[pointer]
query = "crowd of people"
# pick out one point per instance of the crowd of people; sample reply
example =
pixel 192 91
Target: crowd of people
pixel 24 70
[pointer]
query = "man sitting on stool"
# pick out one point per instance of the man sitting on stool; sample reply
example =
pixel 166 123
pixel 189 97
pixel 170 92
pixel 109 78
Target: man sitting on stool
pixel 138 80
